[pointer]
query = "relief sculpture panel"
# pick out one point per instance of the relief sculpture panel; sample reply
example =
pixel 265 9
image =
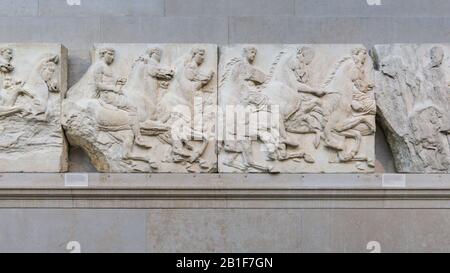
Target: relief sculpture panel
pixel 146 108
pixel 296 109
pixel 413 98
pixel 33 81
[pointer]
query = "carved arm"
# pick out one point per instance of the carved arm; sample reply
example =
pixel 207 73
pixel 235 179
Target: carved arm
pixel 102 86
pixel 161 73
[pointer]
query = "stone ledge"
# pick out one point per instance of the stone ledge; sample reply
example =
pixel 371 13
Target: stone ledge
pixel 252 191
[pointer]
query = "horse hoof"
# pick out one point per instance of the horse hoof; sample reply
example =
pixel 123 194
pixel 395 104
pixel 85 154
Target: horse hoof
pixel 309 159
pixel 143 144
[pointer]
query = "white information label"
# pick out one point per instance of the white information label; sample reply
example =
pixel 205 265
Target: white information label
pixel 76 180
pixel 374 2
pixel 73 2
pixel 394 180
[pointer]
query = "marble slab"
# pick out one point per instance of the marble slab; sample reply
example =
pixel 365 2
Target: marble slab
pixel 413 98
pixel 146 108
pixel 296 109
pixel 33 81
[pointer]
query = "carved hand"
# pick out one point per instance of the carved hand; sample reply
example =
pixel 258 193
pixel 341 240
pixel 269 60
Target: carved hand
pixel 167 74
pixel 164 84
pixel 121 81
pixel 26 93
pixel 321 93
pixel 6 68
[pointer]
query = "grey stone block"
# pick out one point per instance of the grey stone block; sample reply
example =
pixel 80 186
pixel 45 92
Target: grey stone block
pixel 74 33
pixel 102 7
pixel 18 7
pixel 21 29
pixel 121 30
pixel 302 230
pixel 223 231
pixel 361 8
pixel 394 230
pixel 368 31
pixel 185 30
pixel 52 230
pixel 164 30
pixel 229 7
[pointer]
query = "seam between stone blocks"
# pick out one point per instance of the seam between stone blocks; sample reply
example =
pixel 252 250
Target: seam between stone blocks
pixel 293 8
pixel 228 29
pixel 165 6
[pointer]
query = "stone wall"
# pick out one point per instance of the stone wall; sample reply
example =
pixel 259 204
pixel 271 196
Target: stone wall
pixel 221 22
pixel 400 220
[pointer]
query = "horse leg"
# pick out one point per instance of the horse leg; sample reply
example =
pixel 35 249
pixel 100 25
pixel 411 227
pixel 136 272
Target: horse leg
pixel 200 151
pixel 136 128
pixel 353 122
pixel 269 143
pixel 7 111
pixel 350 155
pixel 231 163
pixel 284 136
pixel 348 124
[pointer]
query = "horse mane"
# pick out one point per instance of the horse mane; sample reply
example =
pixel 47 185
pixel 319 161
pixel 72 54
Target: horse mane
pixel 274 65
pixel 331 101
pixel 334 71
pixel 228 68
pixel 36 70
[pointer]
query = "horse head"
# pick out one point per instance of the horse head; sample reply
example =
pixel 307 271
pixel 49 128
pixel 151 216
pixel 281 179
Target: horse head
pixel 48 69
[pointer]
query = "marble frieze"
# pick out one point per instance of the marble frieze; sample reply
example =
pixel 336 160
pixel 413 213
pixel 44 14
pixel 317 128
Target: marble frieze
pixel 413 99
pixel 33 82
pixel 297 109
pixel 146 108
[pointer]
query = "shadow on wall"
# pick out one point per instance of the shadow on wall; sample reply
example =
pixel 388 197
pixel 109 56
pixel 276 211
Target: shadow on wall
pixel 383 153
pixel 79 161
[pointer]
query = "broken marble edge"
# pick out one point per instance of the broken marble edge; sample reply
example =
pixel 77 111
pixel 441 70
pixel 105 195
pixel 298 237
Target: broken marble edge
pixel 373 54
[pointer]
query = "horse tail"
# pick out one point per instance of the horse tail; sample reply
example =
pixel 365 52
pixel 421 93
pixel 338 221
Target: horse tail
pixel 334 71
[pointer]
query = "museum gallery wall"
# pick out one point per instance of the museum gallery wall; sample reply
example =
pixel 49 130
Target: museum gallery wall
pixel 200 108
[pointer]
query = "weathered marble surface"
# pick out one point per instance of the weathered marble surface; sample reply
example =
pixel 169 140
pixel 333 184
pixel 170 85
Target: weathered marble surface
pixel 127 110
pixel 413 98
pixel 33 81
pixel 324 98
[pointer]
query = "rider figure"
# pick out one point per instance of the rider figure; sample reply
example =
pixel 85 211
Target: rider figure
pixel 109 92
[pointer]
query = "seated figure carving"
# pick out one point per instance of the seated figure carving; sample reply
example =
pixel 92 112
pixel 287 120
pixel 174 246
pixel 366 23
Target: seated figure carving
pixel 132 118
pixel 308 104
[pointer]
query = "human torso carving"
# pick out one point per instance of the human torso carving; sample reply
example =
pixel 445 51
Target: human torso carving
pixel 143 136
pixel 30 102
pixel 308 111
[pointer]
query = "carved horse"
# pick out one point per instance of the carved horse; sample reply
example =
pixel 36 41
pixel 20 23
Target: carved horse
pixel 278 93
pixel 342 122
pixel 176 110
pixel 136 90
pixel 9 96
pixel 42 80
